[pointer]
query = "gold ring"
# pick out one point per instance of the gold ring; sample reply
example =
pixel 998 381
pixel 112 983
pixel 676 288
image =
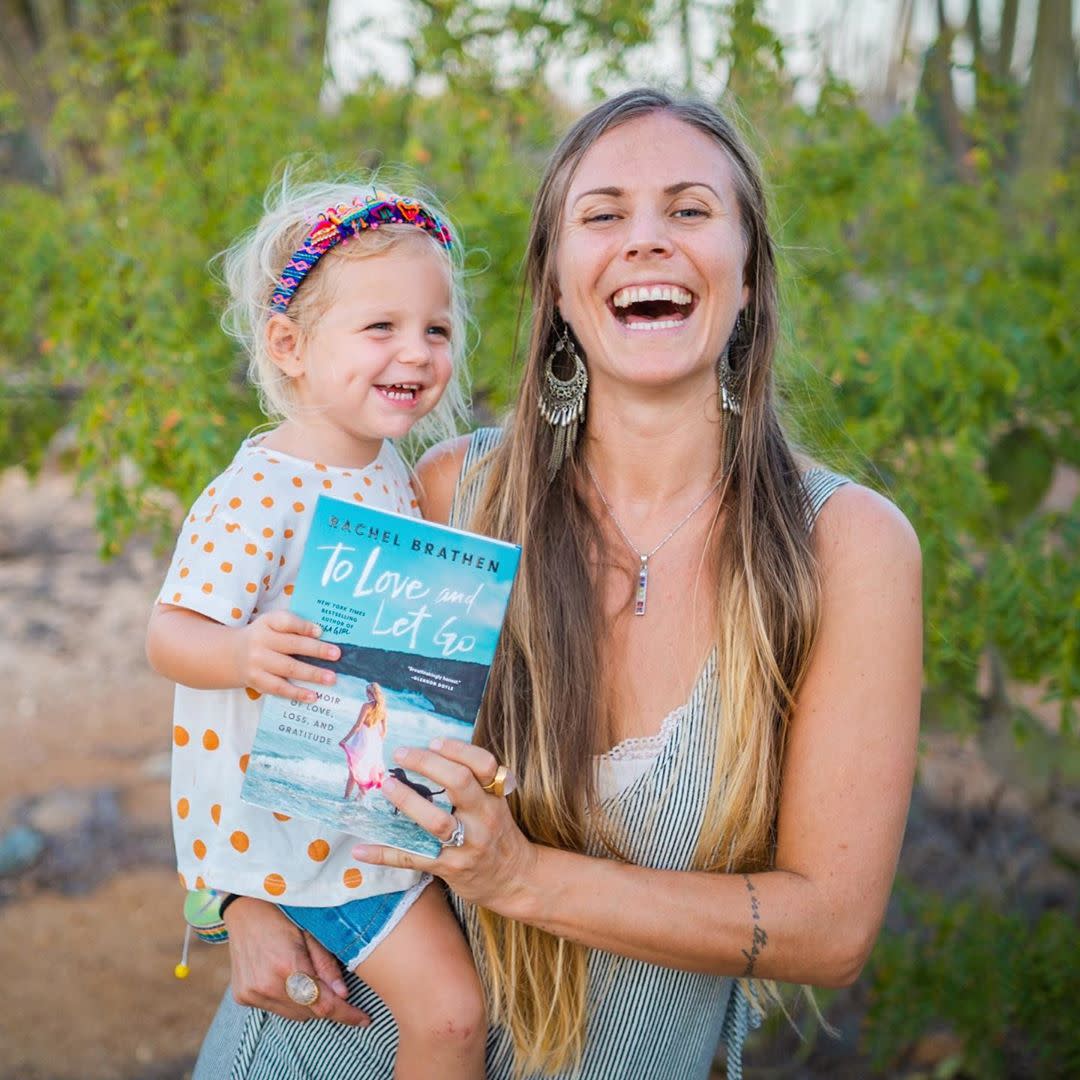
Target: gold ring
pixel 503 784
pixel 302 988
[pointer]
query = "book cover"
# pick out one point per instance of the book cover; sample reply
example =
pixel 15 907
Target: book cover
pixel 416 609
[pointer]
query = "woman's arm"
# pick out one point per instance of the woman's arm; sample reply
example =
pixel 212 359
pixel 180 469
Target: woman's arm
pixel 845 788
pixel 196 651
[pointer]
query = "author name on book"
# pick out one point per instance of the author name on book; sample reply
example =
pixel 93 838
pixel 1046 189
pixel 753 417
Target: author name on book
pixel 390 538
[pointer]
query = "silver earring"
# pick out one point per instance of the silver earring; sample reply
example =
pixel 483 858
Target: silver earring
pixel 562 401
pixel 730 390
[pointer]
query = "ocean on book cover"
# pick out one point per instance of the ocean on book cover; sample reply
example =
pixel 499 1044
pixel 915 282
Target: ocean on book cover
pixel 416 609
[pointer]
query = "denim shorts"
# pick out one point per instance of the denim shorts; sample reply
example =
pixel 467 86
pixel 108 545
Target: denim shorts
pixel 351 931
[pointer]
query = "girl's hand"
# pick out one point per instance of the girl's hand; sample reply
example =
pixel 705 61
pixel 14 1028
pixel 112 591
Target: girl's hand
pixel 496 859
pixel 265 948
pixel 266 651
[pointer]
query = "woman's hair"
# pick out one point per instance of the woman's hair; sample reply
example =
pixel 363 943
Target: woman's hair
pixel 543 713
pixel 378 702
pixel 254 263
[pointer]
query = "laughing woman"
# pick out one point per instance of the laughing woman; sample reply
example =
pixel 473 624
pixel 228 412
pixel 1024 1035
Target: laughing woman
pixel 708 683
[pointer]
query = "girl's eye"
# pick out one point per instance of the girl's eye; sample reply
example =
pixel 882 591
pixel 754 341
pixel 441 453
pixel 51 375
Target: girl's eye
pixel 440 331
pixel 380 326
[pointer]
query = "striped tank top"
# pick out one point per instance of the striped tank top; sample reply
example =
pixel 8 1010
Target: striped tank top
pixel 644 1020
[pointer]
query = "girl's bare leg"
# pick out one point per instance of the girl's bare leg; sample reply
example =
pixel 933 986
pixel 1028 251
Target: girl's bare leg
pixel 424 973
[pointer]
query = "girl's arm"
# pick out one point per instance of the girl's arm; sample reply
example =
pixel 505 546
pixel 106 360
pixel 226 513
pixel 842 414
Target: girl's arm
pixel 196 651
pixel 845 787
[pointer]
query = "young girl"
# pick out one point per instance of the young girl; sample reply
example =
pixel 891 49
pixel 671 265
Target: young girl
pixel 349 304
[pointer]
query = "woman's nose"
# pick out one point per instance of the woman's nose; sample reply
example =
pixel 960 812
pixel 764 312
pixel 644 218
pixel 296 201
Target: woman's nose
pixel 648 235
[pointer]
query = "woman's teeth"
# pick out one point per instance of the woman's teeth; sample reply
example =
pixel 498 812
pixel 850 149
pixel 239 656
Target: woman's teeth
pixel 640 294
pixel 650 324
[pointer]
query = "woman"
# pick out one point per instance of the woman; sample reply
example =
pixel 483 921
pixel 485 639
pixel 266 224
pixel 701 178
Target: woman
pixel 708 683
pixel 363 745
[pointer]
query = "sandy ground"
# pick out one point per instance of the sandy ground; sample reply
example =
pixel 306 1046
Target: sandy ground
pixel 90 932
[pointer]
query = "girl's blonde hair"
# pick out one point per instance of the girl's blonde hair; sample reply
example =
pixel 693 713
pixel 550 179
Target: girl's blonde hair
pixel 253 264
pixel 543 713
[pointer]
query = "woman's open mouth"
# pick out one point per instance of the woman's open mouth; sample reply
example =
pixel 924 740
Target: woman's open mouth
pixel 652 307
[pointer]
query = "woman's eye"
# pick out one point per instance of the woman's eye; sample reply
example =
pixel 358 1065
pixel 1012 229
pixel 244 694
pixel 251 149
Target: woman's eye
pixel 691 212
pixel 600 217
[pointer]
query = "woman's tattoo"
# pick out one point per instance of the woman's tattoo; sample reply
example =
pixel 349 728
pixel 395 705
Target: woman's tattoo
pixel 760 939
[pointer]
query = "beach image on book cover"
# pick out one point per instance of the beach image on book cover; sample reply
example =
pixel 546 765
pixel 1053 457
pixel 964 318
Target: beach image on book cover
pixel 416 609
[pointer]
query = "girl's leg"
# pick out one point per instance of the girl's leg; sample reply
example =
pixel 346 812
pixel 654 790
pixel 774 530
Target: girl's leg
pixel 424 973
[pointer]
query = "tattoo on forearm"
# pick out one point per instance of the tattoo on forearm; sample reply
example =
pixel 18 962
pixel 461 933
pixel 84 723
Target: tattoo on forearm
pixel 760 938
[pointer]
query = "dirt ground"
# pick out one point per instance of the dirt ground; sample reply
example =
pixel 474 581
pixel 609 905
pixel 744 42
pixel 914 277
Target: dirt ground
pixel 90 933
pixel 91 929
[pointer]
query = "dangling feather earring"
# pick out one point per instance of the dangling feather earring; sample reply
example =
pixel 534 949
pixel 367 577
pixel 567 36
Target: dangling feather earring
pixel 730 388
pixel 562 401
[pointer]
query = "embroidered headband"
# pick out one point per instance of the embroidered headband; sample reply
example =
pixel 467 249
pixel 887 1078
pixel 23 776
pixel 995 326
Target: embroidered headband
pixel 339 223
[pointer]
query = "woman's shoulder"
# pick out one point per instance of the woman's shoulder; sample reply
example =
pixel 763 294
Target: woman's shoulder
pixel 440 468
pixel 436 476
pixel 858 529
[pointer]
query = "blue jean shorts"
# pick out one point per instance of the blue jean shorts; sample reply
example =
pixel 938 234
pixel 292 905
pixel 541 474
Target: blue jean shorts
pixel 351 931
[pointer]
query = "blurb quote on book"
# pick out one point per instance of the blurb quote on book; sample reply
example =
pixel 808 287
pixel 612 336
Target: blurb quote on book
pixel 416 609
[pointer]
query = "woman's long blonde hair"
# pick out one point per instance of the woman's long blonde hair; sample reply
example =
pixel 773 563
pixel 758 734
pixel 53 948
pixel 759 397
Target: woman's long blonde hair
pixel 541 714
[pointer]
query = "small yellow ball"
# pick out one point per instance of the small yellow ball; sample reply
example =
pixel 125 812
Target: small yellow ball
pixel 181 971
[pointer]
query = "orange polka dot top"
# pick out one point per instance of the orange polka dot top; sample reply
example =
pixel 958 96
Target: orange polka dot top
pixel 237 557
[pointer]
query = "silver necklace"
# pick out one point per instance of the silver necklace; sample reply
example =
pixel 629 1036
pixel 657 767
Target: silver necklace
pixel 645 556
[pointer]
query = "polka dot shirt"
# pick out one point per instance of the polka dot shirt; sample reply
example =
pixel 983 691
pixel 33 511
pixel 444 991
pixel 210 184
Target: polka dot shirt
pixel 237 557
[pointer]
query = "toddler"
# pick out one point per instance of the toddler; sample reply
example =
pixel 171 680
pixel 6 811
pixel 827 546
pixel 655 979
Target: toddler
pixel 349 304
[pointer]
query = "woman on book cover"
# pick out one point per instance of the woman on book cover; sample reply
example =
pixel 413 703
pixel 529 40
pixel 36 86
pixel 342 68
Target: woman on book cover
pixel 363 745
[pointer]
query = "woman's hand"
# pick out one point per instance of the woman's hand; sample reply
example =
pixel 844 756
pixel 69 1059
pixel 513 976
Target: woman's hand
pixel 266 655
pixel 495 860
pixel 265 948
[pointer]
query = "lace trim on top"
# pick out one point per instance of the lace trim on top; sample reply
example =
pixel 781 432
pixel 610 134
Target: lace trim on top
pixel 645 747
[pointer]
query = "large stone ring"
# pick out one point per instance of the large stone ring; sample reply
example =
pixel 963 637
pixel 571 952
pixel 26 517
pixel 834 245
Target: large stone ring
pixel 457 837
pixel 504 783
pixel 302 988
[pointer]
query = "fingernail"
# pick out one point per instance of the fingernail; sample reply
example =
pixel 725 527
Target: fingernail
pixel 435 744
pixel 390 784
pixel 316 631
pixel 399 756
pixel 362 852
pixel 328 676
pixel 332 652
pixel 339 988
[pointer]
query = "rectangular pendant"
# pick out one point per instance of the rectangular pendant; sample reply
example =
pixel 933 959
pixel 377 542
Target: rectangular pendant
pixel 642 588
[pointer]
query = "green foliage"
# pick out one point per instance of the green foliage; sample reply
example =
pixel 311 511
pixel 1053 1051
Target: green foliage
pixel 1005 984
pixel 930 317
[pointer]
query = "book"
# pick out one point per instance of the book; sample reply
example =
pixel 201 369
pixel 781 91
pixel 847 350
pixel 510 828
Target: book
pixel 416 609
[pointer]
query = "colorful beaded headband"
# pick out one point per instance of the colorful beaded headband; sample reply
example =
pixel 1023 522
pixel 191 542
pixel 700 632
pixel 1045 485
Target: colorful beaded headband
pixel 339 223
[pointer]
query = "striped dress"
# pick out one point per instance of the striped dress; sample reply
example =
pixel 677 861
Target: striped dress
pixel 644 1020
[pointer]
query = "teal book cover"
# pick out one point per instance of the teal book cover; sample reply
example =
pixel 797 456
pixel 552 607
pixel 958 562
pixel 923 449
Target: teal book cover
pixel 416 609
